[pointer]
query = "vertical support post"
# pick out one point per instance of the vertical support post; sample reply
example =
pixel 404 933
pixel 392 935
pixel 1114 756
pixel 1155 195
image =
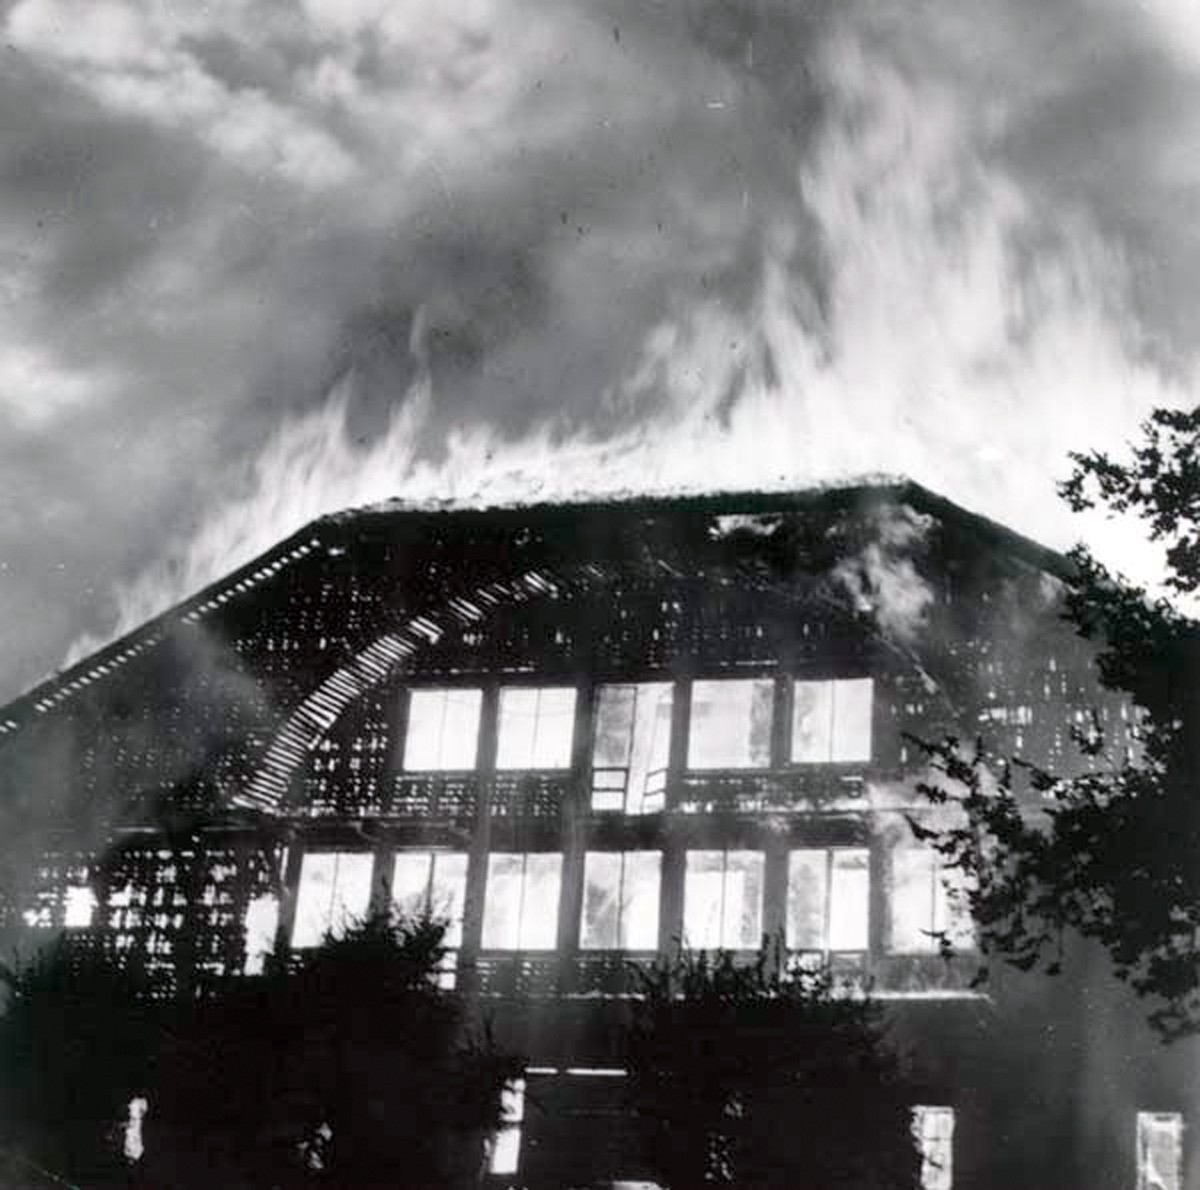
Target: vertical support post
pixel 575 810
pixel 477 853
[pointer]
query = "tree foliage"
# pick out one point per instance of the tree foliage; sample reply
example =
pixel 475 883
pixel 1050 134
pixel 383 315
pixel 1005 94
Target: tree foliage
pixel 744 1076
pixel 344 1066
pixel 1112 853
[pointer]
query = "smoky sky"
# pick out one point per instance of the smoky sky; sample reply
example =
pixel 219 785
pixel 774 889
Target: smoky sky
pixel 261 261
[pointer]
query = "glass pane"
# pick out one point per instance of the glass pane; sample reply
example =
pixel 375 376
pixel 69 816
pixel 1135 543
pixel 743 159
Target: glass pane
pixel 518 726
pixel 79 906
pixel 261 922
pixel 702 895
pixel 335 890
pixel 852 720
pixel 601 901
pixel 443 729
pixel 742 925
pixel 502 904
pixel 933 1128
pixel 1159 1150
pixel 731 724
pixel 639 900
pixel 849 899
pixel 951 911
pixel 912 893
pixel 614 723
pixel 555 729
pixel 812 722
pixel 539 909
pixel 448 891
pixel 410 883
pixel 806 900
pixel 651 742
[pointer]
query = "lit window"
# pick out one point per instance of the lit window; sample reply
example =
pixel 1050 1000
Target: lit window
pixel 262 920
pixel 731 724
pixel 620 900
pixel 134 1147
pixel 335 890
pixel 520 911
pixel 933 1129
pixel 79 906
pixel 828 899
pixel 723 892
pixel 831 721
pixel 432 883
pixel 1159 1150
pixel 443 730
pixel 537 725
pixel 633 735
pixel 927 902
pixel 506 1145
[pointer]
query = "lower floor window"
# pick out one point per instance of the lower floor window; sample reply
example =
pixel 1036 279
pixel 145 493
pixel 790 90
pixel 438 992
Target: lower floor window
pixel 335 891
pixel 506 1144
pixel 520 910
pixel 928 903
pixel 722 899
pixel 1159 1150
pixel 828 899
pixel 620 900
pixel 933 1130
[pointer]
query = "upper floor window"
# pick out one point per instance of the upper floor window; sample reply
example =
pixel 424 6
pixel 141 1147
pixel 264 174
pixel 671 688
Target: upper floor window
pixel 443 730
pixel 1159 1150
pixel 731 723
pixel 933 1130
pixel 537 725
pixel 520 910
pixel 828 899
pixel 722 900
pixel 632 746
pixel 432 883
pixel 831 721
pixel 335 891
pixel 927 903
pixel 620 900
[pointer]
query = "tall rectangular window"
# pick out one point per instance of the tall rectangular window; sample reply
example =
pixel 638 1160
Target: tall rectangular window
pixel 828 898
pixel 933 1130
pixel 260 923
pixel 1159 1150
pixel 620 900
pixel 506 1144
pixel 335 891
pixel 520 911
pixel 831 721
pixel 927 902
pixel 722 900
pixel 731 723
pixel 443 730
pixel 632 747
pixel 537 725
pixel 433 883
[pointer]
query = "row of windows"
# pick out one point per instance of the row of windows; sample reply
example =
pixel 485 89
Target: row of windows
pixel 827 908
pixel 731 727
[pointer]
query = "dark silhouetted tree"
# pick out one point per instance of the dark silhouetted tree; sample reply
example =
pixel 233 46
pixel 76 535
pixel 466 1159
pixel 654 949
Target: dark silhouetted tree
pixel 1113 854
pixel 744 1077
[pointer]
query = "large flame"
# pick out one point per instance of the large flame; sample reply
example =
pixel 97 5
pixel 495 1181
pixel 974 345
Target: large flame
pixel 950 334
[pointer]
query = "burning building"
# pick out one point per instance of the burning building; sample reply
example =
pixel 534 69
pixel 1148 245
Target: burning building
pixel 585 733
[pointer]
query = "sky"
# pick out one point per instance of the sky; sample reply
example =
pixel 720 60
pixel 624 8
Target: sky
pixel 263 261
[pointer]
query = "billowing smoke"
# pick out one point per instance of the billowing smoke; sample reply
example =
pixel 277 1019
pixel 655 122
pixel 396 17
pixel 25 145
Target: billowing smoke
pixel 911 308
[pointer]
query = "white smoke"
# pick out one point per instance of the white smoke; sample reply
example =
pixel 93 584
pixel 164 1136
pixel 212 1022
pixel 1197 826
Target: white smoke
pixel 954 335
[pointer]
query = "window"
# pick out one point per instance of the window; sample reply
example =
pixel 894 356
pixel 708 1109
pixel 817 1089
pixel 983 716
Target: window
pixel 722 899
pixel 933 1129
pixel 79 906
pixel 828 899
pixel 520 911
pixel 633 735
pixel 433 883
pixel 443 730
pixel 335 889
pixel 731 724
pixel 620 900
pixel 831 721
pixel 506 1145
pixel 537 725
pixel 1159 1150
pixel 261 922
pixel 923 908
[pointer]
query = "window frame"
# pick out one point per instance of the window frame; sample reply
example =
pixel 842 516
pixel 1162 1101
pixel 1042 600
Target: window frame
pixel 829 855
pixel 833 681
pixel 768 762
pixel 725 853
pixel 502 765
pixel 655 777
pixel 591 948
pixel 958 927
pixel 331 928
pixel 936 1151
pixel 521 946
pixel 412 692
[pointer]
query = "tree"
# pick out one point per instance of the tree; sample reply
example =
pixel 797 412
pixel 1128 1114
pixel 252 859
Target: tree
pixel 745 1076
pixel 1114 853
pixel 345 1066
